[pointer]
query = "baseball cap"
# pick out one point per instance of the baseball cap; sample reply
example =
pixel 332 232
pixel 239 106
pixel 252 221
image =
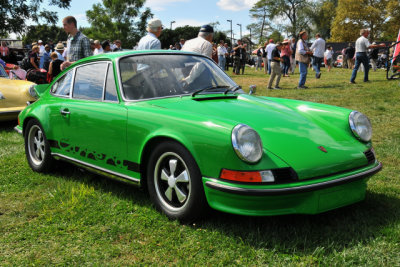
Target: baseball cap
pixel 206 28
pixel 154 23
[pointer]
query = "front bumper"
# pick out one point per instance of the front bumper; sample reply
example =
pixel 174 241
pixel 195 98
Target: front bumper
pixel 306 197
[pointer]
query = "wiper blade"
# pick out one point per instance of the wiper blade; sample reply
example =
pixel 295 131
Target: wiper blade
pixel 209 88
pixel 232 89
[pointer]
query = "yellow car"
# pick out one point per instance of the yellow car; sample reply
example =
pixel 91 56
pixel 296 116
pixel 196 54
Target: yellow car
pixel 15 95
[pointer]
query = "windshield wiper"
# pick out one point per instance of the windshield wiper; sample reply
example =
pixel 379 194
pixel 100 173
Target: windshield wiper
pixel 209 88
pixel 232 89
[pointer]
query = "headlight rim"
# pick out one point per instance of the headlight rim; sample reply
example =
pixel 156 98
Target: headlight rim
pixel 353 127
pixel 236 147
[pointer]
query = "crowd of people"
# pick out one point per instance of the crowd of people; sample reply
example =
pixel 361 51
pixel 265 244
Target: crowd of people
pixel 276 59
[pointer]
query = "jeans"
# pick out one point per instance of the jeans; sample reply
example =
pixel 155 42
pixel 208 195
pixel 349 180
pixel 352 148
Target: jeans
pixel 361 58
pixel 258 65
pixel 286 65
pixel 221 62
pixel 303 73
pixel 317 65
pixel 269 66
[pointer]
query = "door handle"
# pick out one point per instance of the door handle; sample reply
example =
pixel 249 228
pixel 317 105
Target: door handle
pixel 65 112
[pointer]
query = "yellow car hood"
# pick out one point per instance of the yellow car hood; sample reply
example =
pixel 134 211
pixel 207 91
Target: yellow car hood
pixel 15 95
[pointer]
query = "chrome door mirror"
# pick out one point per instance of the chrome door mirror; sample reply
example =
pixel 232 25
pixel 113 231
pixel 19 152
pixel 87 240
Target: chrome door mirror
pixel 252 89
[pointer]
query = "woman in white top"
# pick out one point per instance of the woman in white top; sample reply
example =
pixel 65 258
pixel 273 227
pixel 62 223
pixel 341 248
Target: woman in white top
pixel 329 57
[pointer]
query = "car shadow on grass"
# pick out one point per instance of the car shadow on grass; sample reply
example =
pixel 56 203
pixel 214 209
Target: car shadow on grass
pixel 333 231
pixel 8 126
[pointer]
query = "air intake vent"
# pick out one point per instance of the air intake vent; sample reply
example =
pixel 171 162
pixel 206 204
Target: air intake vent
pixel 370 155
pixel 284 175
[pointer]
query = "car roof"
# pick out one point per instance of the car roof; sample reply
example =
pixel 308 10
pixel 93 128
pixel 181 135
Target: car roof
pixel 115 55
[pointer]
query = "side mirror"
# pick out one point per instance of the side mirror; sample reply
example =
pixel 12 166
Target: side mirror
pixel 252 89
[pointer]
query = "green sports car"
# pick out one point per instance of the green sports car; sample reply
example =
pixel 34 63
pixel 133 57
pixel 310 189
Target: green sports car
pixel 177 125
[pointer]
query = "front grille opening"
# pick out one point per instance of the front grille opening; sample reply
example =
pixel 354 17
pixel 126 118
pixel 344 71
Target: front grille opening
pixel 370 155
pixel 284 175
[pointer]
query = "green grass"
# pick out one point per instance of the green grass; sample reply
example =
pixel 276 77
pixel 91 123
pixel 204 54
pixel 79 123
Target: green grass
pixel 70 217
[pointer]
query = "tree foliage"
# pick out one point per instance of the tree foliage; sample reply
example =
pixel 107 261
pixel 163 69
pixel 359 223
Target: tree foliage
pixel 259 13
pixel 322 14
pixel 118 19
pixel 45 33
pixel 353 15
pixel 15 13
pixel 170 37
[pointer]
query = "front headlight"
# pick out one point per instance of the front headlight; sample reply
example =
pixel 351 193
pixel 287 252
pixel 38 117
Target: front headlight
pixel 32 91
pixel 247 143
pixel 360 125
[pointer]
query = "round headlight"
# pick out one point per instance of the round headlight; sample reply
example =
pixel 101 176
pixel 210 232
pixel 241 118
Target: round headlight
pixel 360 125
pixel 247 143
pixel 32 91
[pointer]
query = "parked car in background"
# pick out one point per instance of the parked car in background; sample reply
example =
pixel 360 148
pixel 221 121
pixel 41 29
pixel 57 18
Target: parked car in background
pixel 15 95
pixel 179 126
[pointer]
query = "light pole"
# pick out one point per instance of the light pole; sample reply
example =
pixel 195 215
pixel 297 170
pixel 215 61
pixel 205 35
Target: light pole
pixel 171 24
pixel 229 20
pixel 240 25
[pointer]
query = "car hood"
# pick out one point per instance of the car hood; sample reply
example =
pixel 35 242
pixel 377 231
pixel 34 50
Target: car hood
pixel 313 139
pixel 15 93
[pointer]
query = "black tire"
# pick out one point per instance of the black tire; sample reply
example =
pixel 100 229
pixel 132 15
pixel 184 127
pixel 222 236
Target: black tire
pixel 174 182
pixel 37 148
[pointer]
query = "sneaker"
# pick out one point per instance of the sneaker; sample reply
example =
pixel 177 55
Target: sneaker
pixel 269 87
pixel 277 87
pixel 319 75
pixel 352 82
pixel 302 87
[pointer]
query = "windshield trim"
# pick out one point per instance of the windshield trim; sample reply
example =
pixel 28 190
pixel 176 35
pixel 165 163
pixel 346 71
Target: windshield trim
pixel 158 53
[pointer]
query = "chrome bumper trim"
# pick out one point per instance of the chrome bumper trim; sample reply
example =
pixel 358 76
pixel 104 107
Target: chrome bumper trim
pixel 19 131
pixel 292 190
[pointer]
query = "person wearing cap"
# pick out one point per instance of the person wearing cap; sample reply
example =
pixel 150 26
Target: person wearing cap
pixel 362 46
pixel 303 55
pixel 98 48
pixel 150 40
pixel 269 48
pixel 78 45
pixel 286 53
pixel 60 50
pixel 275 66
pixel 318 48
pixel 202 43
pixel 41 53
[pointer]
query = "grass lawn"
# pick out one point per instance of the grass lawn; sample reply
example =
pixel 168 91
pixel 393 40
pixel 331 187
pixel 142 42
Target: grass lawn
pixel 70 217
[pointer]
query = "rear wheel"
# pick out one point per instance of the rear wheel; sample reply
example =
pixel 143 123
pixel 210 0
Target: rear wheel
pixel 37 148
pixel 174 182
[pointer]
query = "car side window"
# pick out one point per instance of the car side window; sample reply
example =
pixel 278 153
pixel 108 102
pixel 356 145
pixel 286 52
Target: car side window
pixel 111 89
pixel 62 86
pixel 89 81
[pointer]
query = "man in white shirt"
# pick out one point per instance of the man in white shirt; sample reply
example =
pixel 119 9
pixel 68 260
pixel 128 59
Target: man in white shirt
pixel 270 47
pixel 202 43
pixel 362 46
pixel 150 41
pixel 41 53
pixel 318 48
pixel 221 54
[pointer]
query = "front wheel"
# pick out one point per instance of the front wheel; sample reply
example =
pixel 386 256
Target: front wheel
pixel 174 182
pixel 37 148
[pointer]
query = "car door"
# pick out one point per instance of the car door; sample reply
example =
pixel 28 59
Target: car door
pixel 95 119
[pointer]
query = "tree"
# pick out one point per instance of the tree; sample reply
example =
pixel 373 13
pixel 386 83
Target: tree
pixel 322 15
pixel 15 13
pixel 393 17
pixel 353 15
pixel 45 33
pixel 118 19
pixel 259 12
pixel 295 12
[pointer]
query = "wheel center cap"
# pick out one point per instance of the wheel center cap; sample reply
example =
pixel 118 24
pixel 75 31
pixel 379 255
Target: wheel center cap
pixel 171 181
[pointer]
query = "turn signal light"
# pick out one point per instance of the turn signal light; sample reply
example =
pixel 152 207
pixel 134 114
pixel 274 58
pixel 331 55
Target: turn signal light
pixel 247 177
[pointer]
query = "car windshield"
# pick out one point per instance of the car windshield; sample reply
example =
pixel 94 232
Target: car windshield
pixel 3 73
pixel 153 76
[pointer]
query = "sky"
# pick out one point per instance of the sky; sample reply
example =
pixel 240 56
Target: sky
pixel 183 12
